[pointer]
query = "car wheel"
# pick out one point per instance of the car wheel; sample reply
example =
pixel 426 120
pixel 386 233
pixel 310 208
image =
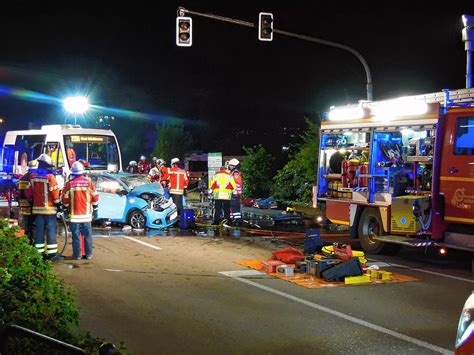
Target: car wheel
pixel 137 219
pixel 370 226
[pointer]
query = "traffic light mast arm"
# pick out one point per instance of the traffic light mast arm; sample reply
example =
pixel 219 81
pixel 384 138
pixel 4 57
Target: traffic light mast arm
pixel 182 11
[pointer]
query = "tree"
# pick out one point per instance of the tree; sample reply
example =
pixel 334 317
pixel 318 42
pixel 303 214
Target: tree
pixel 256 172
pixel 171 142
pixel 295 180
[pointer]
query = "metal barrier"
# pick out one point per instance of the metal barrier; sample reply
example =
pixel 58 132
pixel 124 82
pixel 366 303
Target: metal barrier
pixel 10 332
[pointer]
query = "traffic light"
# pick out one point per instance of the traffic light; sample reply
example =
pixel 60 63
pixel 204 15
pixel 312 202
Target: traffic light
pixel 184 34
pixel 265 26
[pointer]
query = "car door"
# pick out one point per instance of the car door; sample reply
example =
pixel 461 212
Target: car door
pixel 112 202
pixel 457 167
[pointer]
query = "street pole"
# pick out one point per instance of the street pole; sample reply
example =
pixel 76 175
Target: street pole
pixel 182 11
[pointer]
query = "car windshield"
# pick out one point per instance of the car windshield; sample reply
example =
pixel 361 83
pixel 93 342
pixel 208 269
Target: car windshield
pixel 98 152
pixel 133 181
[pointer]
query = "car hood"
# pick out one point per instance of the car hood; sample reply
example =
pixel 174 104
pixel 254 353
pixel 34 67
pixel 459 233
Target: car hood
pixel 153 188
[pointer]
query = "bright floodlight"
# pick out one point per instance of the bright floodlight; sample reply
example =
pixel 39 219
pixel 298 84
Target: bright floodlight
pixel 76 104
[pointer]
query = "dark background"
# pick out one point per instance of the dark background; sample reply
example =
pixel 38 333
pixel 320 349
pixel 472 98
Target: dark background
pixel 229 89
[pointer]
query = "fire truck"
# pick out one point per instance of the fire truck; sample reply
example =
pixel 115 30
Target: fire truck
pixel 401 171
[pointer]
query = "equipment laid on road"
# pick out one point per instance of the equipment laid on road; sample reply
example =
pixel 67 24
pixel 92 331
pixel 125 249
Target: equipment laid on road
pixel 399 171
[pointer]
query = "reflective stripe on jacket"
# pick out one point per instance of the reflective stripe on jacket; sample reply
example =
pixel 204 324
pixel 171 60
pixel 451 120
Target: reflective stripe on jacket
pixel 79 195
pixel 238 182
pixel 222 184
pixel 43 190
pixel 25 206
pixel 178 180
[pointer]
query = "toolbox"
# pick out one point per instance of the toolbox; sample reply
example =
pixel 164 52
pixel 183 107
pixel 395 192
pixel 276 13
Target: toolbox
pixel 285 270
pixel 270 265
pixel 301 267
pixel 323 265
pixel 346 268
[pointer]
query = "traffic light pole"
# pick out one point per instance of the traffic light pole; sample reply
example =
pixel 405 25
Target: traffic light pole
pixel 370 96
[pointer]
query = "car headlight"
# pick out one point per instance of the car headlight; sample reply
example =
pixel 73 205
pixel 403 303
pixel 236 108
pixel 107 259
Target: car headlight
pixel 466 321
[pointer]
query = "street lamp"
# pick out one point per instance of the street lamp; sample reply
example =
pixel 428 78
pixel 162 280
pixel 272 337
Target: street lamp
pixel 76 105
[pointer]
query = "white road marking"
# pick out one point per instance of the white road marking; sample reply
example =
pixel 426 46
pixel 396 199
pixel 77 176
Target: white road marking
pixel 113 270
pixel 143 243
pixel 335 313
pixel 426 271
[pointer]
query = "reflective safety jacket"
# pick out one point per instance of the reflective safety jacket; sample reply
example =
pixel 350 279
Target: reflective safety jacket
pixel 178 180
pixel 143 167
pixel 238 182
pixel 25 206
pixel 43 190
pixel 79 195
pixel 222 184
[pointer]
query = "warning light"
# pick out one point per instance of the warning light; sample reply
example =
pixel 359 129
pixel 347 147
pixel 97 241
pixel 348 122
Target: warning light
pixel 443 251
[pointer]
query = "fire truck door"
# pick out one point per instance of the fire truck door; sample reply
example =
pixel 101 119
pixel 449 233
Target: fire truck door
pixel 457 167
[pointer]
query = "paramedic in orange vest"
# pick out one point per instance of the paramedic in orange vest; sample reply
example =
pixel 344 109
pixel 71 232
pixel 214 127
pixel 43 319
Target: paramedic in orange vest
pixel 235 200
pixel 43 193
pixel 222 184
pixel 82 201
pixel 178 181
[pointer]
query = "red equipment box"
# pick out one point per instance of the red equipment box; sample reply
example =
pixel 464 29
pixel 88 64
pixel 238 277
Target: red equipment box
pixel 271 265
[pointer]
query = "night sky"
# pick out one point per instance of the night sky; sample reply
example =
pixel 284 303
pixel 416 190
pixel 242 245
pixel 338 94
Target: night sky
pixel 230 88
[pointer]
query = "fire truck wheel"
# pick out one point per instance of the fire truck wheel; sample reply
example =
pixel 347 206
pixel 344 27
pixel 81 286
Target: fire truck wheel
pixel 370 226
pixel 136 219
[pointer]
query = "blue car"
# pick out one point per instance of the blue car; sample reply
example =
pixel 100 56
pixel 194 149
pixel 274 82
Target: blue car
pixel 132 199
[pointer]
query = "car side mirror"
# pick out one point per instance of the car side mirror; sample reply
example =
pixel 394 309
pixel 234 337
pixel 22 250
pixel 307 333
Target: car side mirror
pixel 122 192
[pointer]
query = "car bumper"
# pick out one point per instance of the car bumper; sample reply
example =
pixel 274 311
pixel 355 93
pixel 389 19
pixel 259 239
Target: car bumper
pixel 163 219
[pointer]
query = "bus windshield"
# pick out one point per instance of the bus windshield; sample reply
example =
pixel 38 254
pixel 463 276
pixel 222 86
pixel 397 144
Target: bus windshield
pixel 95 151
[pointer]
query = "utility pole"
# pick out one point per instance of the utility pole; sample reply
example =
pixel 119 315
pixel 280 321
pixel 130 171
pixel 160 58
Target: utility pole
pixel 182 11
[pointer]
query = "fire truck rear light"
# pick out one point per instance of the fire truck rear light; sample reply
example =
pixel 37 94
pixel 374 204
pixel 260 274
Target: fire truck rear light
pixel 443 251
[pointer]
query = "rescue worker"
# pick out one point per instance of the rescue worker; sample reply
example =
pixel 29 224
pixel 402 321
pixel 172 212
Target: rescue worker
pixel 236 193
pixel 178 182
pixel 143 165
pixel 132 167
pixel 154 162
pixel 43 192
pixel 56 155
pixel 70 153
pixel 222 184
pixel 159 173
pixel 82 201
pixel 25 206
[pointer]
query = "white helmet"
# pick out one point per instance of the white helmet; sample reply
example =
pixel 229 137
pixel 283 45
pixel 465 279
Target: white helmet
pixel 132 163
pixel 143 157
pixel 45 158
pixel 234 162
pixel 155 159
pixel 77 168
pixel 161 162
pixel 174 160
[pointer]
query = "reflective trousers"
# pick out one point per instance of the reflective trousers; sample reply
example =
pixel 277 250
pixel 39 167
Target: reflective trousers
pixel 46 223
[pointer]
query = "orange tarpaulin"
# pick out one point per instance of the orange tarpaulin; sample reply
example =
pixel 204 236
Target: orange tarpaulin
pixel 310 281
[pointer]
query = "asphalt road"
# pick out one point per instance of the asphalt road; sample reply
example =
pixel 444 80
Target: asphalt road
pixel 168 295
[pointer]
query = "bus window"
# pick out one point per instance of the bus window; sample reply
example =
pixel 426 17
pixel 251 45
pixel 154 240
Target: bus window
pixel 26 148
pixel 56 154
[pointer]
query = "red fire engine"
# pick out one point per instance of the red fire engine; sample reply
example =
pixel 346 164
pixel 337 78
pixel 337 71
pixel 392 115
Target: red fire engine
pixel 401 171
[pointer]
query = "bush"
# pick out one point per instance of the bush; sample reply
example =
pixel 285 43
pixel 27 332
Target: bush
pixel 256 172
pixel 33 297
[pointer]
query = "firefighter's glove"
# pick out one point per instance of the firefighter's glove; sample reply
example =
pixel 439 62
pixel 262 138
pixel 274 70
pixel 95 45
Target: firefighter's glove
pixel 59 207
pixel 95 212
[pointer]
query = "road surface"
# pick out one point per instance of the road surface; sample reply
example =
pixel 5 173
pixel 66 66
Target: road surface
pixel 182 294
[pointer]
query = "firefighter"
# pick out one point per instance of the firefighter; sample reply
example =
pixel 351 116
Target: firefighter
pixel 164 176
pixel 236 193
pixel 222 184
pixel 25 206
pixel 82 201
pixel 143 165
pixel 132 167
pixel 43 192
pixel 178 182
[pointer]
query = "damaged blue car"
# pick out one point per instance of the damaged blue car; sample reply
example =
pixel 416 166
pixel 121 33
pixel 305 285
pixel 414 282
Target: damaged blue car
pixel 131 199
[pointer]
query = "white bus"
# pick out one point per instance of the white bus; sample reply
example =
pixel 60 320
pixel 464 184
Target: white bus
pixel 98 149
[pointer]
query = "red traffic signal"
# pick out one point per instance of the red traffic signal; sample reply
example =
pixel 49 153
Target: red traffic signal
pixel 265 26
